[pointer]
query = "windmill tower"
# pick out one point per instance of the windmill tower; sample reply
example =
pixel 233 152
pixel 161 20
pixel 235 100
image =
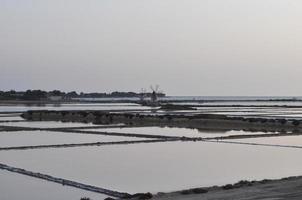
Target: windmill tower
pixel 154 97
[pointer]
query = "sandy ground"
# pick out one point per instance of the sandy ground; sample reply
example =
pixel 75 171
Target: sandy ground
pixel 290 188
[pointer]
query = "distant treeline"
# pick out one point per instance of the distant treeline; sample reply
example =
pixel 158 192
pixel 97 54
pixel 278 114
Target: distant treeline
pixel 58 95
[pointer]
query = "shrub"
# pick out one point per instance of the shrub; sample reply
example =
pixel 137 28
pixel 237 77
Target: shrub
pixel 263 120
pixel 253 120
pixel 85 198
pixel 185 192
pixel 194 191
pixel 146 196
pixel 64 113
pixel 264 181
pixel 141 196
pixel 296 123
pixel 282 121
pixel 228 187
pixel 109 198
pixel 199 190
pixel 271 120
pixel 83 113
pixel 242 183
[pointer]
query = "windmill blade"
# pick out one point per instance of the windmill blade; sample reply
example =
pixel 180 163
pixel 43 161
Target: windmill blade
pixel 151 87
pixel 156 88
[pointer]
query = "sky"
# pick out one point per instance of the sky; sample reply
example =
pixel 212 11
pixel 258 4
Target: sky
pixel 188 47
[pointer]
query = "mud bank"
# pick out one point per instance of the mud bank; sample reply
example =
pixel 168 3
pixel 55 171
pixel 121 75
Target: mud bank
pixel 286 188
pixel 199 121
pixel 83 144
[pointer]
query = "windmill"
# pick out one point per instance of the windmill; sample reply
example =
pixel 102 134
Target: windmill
pixel 155 92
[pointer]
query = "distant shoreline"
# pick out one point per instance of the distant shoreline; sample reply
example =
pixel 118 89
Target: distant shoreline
pixel 167 99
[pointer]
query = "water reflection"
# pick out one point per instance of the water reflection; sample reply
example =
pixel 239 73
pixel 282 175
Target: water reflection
pixel 45 124
pixel 162 166
pixel 281 140
pixel 15 186
pixel 178 132
pixel 33 138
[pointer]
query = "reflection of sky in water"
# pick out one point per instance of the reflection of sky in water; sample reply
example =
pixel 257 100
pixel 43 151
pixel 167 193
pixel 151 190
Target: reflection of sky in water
pixel 18 186
pixel 141 167
pixel 131 107
pixel 22 108
pixel 10 118
pixel 261 112
pixel 281 140
pixel 45 124
pixel 179 132
pixel 28 138
pixel 162 166
pixel 254 103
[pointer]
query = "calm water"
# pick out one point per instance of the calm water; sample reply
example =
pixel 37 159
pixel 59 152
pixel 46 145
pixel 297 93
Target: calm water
pixel 162 166
pixel 19 187
pixel 28 138
pixel 132 107
pixel 254 112
pixel 170 131
pixel 256 103
pixel 84 106
pixel 203 98
pixel 135 168
pixel 284 140
pixel 10 118
pixel 46 124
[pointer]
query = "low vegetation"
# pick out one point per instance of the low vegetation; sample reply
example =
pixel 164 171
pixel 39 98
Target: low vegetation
pixel 34 95
pixel 176 107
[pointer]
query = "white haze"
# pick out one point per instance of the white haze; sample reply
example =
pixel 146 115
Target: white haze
pixel 188 47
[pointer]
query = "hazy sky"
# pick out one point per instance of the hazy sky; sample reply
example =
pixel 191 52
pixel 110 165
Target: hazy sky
pixel 188 47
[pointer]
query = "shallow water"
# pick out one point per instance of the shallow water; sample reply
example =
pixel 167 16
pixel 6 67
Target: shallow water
pixel 171 131
pixel 29 138
pixel 20 187
pixel 280 140
pixel 140 167
pixel 162 166
pixel 77 106
pixel 46 124
pixel 256 103
pixel 287 115
pixel 255 111
pixel 10 118
pixel 10 115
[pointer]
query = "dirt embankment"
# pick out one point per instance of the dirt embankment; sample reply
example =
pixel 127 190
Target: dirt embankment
pixel 199 121
pixel 283 189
